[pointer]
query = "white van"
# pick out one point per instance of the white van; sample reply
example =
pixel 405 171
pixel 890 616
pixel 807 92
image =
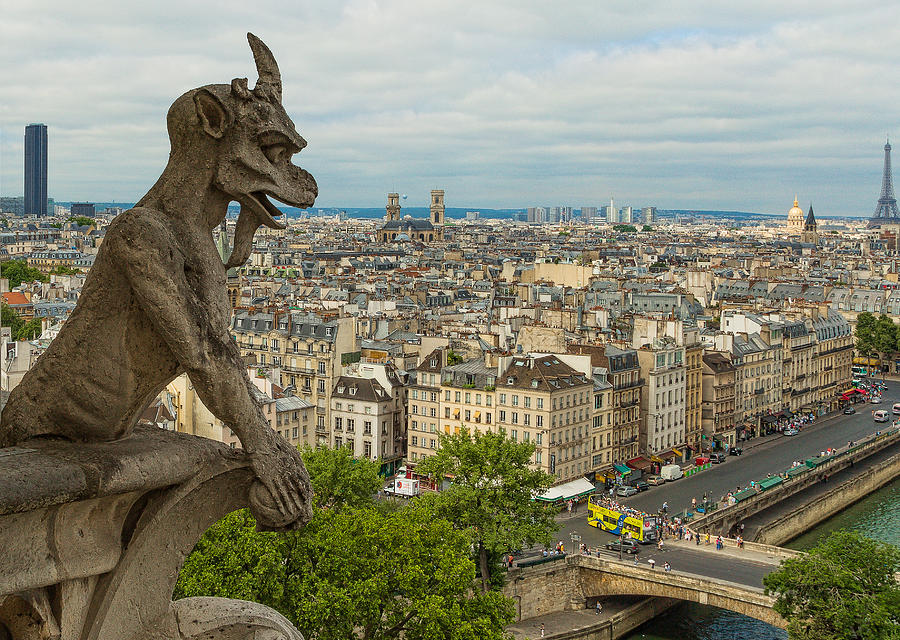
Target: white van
pixel 881 416
pixel 896 409
pixel 671 472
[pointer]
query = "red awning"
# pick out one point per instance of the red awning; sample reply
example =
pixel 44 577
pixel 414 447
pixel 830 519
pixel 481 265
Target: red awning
pixel 639 463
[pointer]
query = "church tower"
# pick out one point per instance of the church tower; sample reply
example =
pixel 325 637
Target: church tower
pixel 437 213
pixel 393 207
pixel 810 233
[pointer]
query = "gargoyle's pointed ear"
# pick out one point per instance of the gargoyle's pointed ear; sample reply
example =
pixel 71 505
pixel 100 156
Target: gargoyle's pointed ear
pixel 214 117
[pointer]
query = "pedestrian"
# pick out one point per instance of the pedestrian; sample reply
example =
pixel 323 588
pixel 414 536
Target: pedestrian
pixel 652 563
pixel 697 537
pixel 542 629
pixel 693 504
pixel 634 555
pixel 599 608
pixel 667 567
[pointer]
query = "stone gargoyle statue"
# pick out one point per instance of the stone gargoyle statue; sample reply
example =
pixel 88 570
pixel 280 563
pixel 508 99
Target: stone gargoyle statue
pixel 154 304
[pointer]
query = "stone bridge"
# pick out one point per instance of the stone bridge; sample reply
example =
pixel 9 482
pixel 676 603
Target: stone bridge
pixel 577 581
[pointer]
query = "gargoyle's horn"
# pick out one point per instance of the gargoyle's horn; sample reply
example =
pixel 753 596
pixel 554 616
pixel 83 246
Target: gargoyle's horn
pixel 266 67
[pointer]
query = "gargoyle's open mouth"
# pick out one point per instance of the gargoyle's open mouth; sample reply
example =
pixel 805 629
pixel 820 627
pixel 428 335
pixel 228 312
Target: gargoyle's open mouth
pixel 268 211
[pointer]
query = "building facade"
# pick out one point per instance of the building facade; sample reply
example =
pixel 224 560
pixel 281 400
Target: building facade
pixel 36 169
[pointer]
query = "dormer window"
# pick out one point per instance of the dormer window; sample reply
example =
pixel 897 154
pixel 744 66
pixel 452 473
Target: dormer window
pixel 510 380
pixel 433 363
pixel 352 391
pixel 534 384
pixel 340 389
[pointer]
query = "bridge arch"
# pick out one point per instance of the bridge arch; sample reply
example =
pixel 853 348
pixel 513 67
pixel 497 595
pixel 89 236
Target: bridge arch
pixel 604 578
pixel 572 583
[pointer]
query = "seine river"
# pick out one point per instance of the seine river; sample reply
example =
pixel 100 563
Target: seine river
pixel 877 516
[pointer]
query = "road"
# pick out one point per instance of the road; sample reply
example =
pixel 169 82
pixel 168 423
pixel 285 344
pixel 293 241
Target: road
pixel 772 456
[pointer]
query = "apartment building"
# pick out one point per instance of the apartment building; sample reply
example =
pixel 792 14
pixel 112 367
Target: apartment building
pixel 624 374
pixel 602 423
pixel 467 402
pixel 718 415
pixel 306 349
pixel 368 412
pixel 693 392
pixel 662 399
pixel 542 399
pixel 424 406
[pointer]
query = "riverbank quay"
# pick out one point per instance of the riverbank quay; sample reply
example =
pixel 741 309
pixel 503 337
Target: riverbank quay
pixel 771 490
pixel 800 512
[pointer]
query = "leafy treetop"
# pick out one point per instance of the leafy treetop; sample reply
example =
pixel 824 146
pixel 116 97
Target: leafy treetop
pixel 491 493
pixel 843 589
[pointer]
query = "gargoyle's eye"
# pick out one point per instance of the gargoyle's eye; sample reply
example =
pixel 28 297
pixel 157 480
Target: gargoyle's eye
pixel 275 152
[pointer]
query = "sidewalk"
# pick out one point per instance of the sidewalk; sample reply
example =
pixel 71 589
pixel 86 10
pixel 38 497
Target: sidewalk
pixel 565 622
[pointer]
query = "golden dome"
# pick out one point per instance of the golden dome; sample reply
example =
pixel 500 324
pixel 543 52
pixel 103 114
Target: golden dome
pixel 795 216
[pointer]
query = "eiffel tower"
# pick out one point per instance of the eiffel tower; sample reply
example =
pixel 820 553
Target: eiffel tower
pixel 886 209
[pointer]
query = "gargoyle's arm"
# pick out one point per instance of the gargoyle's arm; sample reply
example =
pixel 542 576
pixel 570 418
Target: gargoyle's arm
pixel 155 267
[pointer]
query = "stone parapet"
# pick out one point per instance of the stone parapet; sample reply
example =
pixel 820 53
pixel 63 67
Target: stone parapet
pixel 92 537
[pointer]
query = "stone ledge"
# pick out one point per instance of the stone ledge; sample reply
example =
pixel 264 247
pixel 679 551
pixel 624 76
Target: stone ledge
pixel 41 473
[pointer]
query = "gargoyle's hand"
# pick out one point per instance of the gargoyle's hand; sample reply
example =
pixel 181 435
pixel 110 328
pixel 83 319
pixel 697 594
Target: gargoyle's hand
pixel 282 498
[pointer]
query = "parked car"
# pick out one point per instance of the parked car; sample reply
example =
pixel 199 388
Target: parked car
pixel 875 400
pixel 625 491
pixel 849 411
pixel 655 480
pixel 699 461
pixel 717 458
pixel 640 485
pixel 790 431
pixel 735 451
pixel 881 416
pixel 628 546
pixel 896 409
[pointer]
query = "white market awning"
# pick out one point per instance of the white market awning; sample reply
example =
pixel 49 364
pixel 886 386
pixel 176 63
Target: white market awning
pixel 567 491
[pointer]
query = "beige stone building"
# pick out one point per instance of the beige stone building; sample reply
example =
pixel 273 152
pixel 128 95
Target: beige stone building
pixel 306 350
pixel 368 413
pixel 718 393
pixel 624 374
pixel 602 424
pixel 425 394
pixel 693 393
pixel 542 399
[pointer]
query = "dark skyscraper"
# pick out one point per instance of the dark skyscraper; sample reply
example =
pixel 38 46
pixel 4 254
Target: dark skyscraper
pixel 36 169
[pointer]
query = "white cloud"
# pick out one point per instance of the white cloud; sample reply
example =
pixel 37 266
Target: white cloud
pixel 505 103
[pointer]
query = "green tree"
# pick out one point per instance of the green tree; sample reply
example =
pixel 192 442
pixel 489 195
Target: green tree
pixel 356 571
pixel 453 357
pixel 340 480
pixel 9 318
pixel 18 272
pixel 843 589
pixel 885 338
pixel 658 267
pixel 491 493
pixel 62 270
pixel 647 227
pixel 81 221
pixel 28 330
pixel 625 228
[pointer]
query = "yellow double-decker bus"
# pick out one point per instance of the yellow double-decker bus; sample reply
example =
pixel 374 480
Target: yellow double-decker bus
pixel 642 530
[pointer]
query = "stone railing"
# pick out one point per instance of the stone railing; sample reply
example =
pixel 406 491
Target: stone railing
pixel 92 537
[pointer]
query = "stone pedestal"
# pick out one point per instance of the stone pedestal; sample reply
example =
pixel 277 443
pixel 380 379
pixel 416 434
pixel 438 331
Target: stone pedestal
pixel 92 537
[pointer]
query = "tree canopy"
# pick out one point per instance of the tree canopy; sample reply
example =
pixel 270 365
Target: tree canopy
pixel 625 228
pixel 361 569
pixel 81 221
pixel 20 329
pixel 340 480
pixel 878 335
pixel 491 493
pixel 843 589
pixel 18 272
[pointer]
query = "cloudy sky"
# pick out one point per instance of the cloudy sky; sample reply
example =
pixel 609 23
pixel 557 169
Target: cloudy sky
pixel 502 103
